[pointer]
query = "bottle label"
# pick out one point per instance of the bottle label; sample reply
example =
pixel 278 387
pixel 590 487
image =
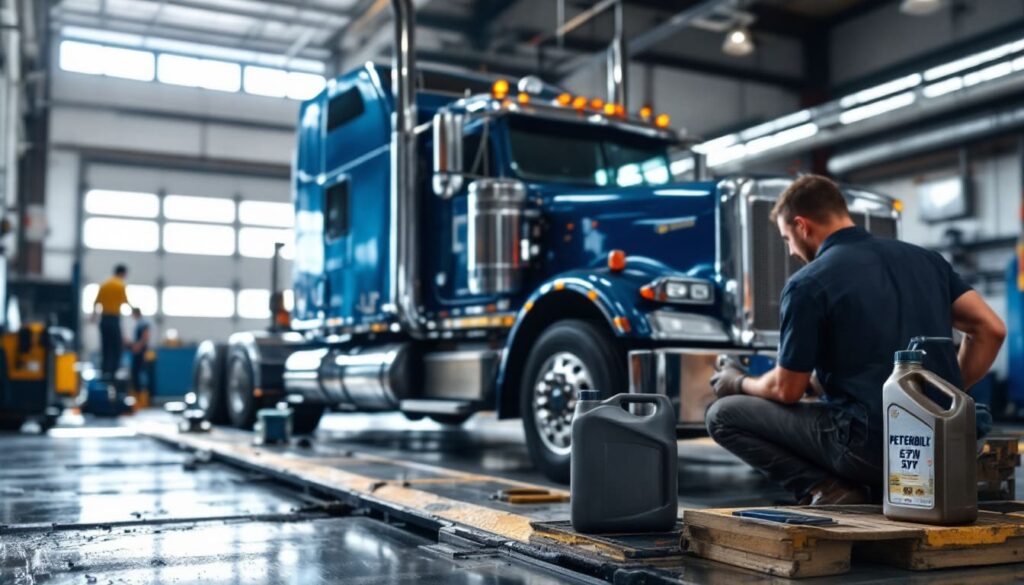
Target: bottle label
pixel 911 460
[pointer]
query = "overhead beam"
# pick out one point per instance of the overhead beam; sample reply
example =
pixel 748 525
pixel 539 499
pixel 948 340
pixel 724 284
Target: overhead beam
pixel 646 41
pixel 308 16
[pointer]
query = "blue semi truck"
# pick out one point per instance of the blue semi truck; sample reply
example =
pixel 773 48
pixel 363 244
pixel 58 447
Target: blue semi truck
pixel 468 242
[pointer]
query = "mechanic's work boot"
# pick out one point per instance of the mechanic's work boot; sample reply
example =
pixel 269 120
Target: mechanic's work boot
pixel 833 492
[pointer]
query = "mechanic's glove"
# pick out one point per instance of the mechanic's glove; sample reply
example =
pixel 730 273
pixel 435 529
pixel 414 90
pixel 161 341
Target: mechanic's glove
pixel 728 381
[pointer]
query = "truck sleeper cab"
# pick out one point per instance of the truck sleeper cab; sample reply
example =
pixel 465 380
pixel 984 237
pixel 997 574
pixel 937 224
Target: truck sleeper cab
pixel 548 252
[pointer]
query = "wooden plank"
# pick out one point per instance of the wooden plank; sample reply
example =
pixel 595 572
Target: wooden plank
pixel 645 547
pixel 829 558
pixel 908 555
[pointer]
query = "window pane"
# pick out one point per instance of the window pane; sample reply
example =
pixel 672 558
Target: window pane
pixel 266 81
pixel 192 208
pixel 195 238
pixel 259 242
pixel 81 57
pixel 177 70
pixel 196 301
pixel 266 213
pixel 205 73
pixel 343 108
pixel 123 203
pixel 254 303
pixel 220 76
pixel 128 64
pixel 304 86
pixel 134 235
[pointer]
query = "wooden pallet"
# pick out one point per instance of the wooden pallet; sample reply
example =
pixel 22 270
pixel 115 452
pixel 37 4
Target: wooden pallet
pixel 861 532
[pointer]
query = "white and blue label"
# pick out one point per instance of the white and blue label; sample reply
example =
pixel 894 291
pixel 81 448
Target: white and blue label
pixel 911 470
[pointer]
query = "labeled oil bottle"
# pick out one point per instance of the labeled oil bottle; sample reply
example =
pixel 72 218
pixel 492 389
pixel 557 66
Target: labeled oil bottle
pixel 930 462
pixel 623 467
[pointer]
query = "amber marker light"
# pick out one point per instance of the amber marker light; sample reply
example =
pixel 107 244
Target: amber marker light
pixel 616 260
pixel 647 292
pixel 662 121
pixel 596 104
pixel 500 89
pixel 579 103
pixel 897 205
pixel 564 99
pixel 623 324
pixel 523 97
pixel 609 109
pixel 620 110
pixel 646 112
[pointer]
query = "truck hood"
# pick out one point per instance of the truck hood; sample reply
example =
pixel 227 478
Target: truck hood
pixel 673 226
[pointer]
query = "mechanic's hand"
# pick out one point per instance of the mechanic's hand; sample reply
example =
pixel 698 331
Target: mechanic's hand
pixel 728 381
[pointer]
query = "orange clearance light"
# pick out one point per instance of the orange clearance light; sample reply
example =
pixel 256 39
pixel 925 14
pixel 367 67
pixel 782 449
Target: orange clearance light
pixel 620 110
pixel 662 121
pixel 622 323
pixel 646 112
pixel 616 260
pixel 596 103
pixel 500 89
pixel 898 205
pixel 647 292
pixel 609 109
pixel 523 97
pixel 564 99
pixel 579 103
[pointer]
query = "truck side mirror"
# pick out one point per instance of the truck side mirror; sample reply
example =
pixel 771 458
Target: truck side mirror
pixel 448 178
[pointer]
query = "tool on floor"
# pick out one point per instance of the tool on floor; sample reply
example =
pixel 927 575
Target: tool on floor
pixel 273 425
pixel 784 517
pixel 623 466
pixel 529 496
pixel 930 461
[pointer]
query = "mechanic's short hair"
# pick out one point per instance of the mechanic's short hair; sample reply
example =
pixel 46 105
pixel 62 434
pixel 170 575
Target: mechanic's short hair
pixel 121 270
pixel 812 196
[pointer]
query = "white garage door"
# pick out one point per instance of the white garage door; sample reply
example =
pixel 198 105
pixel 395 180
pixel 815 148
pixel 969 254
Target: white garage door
pixel 197 246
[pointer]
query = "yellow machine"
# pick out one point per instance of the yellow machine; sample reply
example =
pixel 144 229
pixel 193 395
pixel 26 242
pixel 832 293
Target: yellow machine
pixel 35 370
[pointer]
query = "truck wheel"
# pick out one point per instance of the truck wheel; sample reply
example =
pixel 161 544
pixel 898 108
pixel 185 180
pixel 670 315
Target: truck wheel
pixel 306 417
pixel 241 404
pixel 569 356
pixel 208 381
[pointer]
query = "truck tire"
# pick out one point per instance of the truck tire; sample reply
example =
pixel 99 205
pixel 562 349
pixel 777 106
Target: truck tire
pixel 208 382
pixel 241 403
pixel 306 417
pixel 569 356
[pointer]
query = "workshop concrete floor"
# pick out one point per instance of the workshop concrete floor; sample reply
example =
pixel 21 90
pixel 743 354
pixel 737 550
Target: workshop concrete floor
pixel 93 503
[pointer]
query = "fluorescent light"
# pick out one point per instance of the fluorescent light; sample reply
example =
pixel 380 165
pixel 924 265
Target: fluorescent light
pixel 682 192
pixel 738 42
pixel 878 91
pixel 943 87
pixel 781 138
pixel 776 125
pixel 1018 64
pixel 726 155
pixel 920 7
pixel 974 60
pixel 717 144
pixel 988 73
pixel 876 108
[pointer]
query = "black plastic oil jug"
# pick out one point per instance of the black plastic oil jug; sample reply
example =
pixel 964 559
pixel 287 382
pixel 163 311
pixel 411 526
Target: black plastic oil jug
pixel 623 469
pixel 930 462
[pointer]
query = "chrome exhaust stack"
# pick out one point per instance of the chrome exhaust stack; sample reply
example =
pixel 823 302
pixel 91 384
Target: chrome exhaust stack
pixel 616 66
pixel 403 263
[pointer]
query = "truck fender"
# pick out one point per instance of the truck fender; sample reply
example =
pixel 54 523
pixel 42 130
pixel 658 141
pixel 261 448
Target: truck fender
pixel 584 294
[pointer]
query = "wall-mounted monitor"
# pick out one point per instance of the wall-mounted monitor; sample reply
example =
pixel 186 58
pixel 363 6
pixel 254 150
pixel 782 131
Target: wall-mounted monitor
pixel 945 199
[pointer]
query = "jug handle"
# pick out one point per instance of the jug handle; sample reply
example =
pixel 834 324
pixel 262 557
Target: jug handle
pixel 627 398
pixel 940 384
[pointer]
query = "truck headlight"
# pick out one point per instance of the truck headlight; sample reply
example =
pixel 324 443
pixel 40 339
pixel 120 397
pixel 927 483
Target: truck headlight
pixel 669 289
pixel 686 326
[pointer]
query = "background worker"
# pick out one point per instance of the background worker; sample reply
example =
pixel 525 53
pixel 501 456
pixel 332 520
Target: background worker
pixel 111 296
pixel 139 345
pixel 858 300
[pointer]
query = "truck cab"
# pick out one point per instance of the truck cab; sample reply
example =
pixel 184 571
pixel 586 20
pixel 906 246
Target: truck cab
pixel 468 243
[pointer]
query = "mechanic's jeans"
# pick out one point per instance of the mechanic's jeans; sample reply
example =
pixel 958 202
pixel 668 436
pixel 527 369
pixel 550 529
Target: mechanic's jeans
pixel 797 445
pixel 111 345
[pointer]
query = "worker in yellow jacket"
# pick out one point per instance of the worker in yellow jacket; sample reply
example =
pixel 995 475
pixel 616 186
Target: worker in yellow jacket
pixel 111 296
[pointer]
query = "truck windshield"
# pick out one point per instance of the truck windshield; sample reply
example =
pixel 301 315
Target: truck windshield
pixel 583 154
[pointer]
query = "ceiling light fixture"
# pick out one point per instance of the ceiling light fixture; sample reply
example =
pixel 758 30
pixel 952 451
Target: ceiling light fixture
pixel 920 7
pixel 738 42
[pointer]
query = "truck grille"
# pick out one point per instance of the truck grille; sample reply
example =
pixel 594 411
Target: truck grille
pixel 771 264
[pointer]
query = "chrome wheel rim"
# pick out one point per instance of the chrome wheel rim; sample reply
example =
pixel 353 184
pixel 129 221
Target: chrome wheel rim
pixel 561 378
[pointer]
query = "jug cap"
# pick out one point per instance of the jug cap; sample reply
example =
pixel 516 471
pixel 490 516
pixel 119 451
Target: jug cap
pixel 909 355
pixel 589 395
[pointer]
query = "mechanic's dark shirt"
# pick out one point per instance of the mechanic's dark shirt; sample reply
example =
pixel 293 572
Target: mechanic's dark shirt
pixel 861 299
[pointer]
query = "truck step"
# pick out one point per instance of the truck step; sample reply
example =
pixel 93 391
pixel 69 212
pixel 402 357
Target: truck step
pixel 453 407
